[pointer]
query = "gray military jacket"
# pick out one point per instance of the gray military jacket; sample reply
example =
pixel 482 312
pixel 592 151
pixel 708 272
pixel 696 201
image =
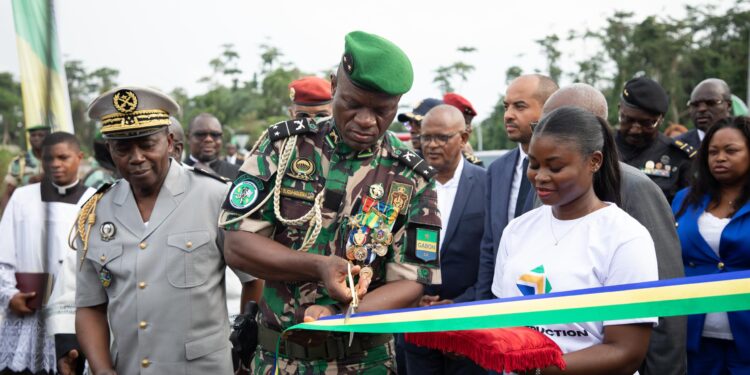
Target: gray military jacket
pixel 165 294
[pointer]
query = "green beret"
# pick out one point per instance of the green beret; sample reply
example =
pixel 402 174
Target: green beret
pixel 38 127
pixel 375 64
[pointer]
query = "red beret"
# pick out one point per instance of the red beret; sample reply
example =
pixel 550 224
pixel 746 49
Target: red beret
pixel 310 91
pixel 459 102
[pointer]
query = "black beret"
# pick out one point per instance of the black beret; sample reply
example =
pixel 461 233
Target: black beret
pixel 644 93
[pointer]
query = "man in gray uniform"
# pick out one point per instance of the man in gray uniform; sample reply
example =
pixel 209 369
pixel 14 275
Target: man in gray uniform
pixel 151 257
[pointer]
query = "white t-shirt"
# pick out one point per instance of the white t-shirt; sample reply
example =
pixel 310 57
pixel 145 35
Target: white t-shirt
pixel 606 247
pixel 710 227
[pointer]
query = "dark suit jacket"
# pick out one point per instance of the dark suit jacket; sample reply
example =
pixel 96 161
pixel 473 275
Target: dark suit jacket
pixel 691 137
pixel 497 196
pixel 459 254
pixel 221 167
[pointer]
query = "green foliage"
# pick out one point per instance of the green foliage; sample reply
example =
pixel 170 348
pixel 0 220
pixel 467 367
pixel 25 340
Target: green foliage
pixel 445 75
pixel 11 110
pixel 84 86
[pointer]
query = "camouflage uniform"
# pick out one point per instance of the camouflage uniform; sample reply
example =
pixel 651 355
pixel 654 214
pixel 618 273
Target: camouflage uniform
pixel 22 168
pixel 347 178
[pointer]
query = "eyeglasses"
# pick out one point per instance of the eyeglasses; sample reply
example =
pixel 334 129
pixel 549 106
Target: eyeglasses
pixel 642 123
pixel 439 139
pixel 708 102
pixel 202 135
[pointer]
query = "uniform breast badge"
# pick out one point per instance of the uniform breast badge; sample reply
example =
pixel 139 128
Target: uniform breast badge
pixel 105 277
pixel 107 231
pixel 302 169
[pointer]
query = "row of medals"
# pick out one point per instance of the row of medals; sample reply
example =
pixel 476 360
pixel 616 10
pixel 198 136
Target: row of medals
pixel 370 235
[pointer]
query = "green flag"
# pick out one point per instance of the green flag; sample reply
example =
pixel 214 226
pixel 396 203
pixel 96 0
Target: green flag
pixel 43 84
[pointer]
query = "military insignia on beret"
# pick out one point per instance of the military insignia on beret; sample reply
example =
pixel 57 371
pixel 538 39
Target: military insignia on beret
pixel 302 169
pixel 125 101
pixel 348 62
pixel 107 231
pixel 399 196
pixel 245 193
pixel 291 93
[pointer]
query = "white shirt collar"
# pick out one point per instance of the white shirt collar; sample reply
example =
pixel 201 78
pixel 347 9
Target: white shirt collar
pixel 62 190
pixel 523 154
pixel 453 182
pixel 701 134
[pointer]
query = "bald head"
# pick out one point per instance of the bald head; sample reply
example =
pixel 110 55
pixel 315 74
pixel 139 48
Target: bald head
pixel 449 116
pixel 710 102
pixel 443 135
pixel 175 128
pixel 578 95
pixel 716 85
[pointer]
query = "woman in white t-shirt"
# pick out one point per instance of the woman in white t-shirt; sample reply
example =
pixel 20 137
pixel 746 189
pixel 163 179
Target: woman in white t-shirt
pixel 578 239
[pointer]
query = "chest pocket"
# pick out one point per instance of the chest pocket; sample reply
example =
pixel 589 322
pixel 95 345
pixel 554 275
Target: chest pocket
pixel 107 261
pixel 189 258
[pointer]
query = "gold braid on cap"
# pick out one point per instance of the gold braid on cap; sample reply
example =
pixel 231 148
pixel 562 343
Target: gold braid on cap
pixel 82 227
pixel 117 122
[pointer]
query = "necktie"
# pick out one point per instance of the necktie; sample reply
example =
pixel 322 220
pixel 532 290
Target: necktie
pixel 523 191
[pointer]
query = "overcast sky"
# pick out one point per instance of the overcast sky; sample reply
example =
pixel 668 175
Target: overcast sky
pixel 168 43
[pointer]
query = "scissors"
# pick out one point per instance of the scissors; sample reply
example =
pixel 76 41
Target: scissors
pixel 355 301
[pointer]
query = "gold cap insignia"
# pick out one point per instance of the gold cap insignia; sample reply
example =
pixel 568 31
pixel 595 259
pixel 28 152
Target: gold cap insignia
pixel 625 92
pixel 125 101
pixel 291 93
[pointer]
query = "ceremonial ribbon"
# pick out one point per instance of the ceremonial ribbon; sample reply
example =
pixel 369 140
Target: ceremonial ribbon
pixel 722 292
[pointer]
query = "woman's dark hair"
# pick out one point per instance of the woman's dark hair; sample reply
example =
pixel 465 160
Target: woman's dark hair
pixel 590 133
pixel 702 181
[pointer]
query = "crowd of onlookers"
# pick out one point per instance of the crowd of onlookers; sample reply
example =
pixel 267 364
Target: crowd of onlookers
pixel 578 204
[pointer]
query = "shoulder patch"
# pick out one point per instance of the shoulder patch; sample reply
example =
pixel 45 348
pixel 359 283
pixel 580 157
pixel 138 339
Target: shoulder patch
pixel 215 176
pixel 684 147
pixel 289 128
pixel 101 190
pixel 415 162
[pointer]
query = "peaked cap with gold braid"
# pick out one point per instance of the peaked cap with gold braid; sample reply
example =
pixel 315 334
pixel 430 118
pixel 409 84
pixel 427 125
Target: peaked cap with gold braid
pixel 130 112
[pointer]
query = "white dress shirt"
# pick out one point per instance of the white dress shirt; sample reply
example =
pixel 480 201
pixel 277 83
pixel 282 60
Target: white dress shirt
pixel 516 184
pixel 446 195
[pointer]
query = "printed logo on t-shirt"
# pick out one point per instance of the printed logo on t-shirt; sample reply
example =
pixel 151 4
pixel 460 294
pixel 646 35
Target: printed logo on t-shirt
pixel 534 282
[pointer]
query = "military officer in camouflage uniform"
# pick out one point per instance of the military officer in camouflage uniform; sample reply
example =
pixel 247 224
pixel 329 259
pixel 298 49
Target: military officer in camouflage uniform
pixel 666 161
pixel 151 266
pixel 27 168
pixel 316 200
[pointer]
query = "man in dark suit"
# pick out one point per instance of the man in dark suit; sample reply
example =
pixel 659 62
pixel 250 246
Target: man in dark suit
pixel 509 192
pixel 457 181
pixel 709 102
pixel 204 135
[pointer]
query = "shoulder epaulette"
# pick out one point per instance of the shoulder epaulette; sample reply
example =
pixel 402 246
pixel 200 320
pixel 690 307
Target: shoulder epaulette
pixel 289 128
pixel 101 190
pixel 215 176
pixel 473 159
pixel 415 162
pixel 684 147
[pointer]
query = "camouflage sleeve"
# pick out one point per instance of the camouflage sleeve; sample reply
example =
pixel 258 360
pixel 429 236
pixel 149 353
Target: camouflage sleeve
pixel 14 172
pixel 416 255
pixel 251 194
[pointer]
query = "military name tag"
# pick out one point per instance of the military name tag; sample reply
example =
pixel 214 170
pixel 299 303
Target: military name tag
pixel 298 194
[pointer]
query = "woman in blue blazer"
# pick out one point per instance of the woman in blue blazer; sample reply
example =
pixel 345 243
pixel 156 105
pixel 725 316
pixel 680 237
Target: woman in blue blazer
pixel 713 223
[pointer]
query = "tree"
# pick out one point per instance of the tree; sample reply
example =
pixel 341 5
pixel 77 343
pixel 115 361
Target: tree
pixel 83 86
pixel 11 110
pixel 550 51
pixel 459 69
